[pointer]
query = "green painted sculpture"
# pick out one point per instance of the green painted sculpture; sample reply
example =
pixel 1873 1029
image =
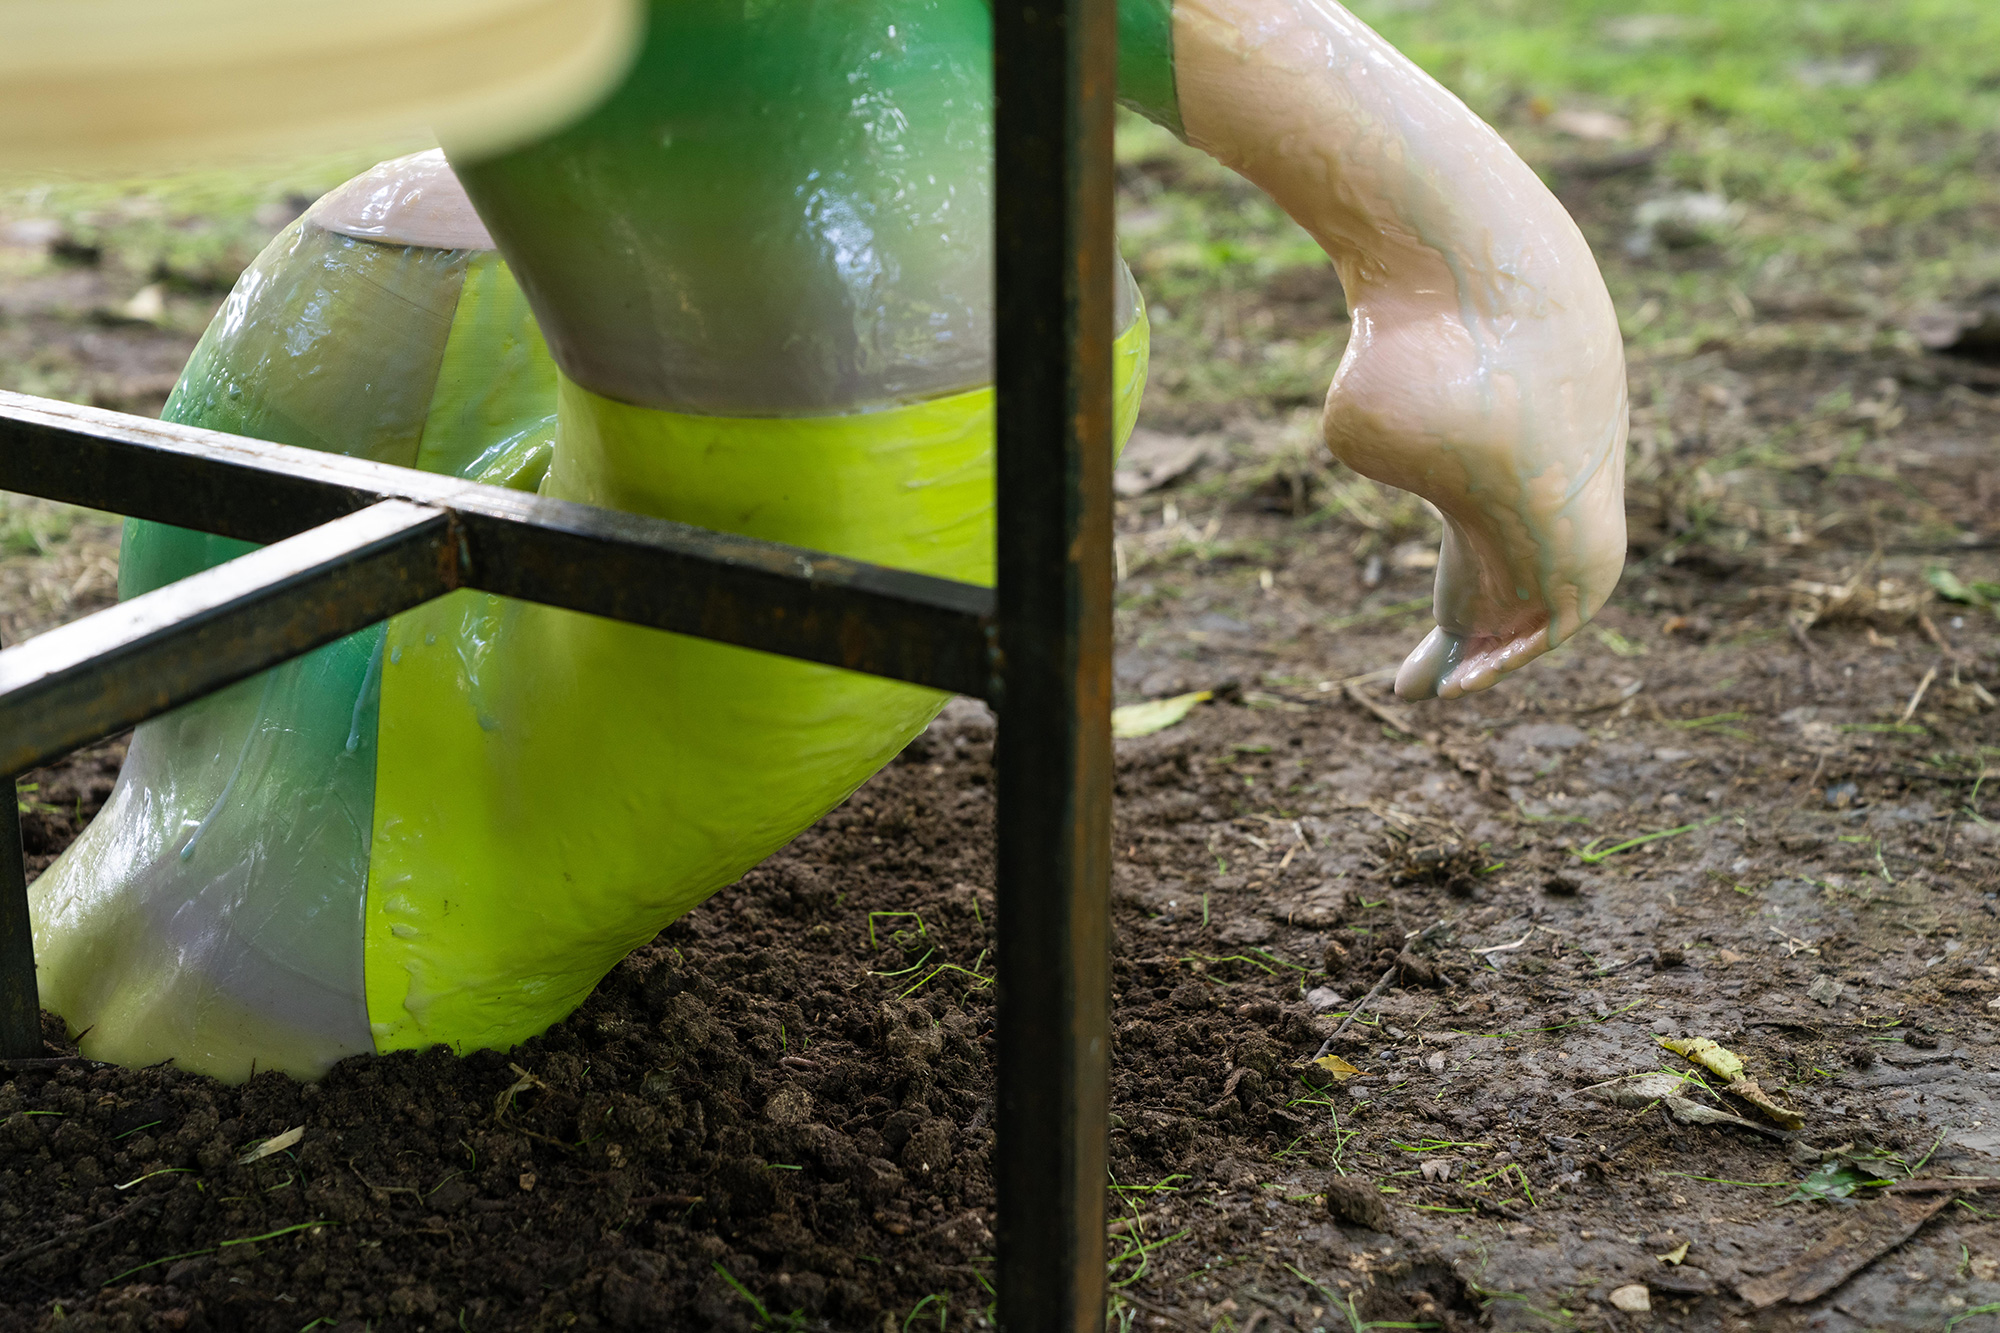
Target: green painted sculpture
pixel 750 290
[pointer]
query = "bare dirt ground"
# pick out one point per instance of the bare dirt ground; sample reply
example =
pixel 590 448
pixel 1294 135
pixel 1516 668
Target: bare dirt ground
pixel 1755 802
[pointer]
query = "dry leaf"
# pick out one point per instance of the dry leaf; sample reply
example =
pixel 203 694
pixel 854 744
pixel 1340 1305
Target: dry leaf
pixel 1747 1089
pixel 1642 1090
pixel 1155 714
pixel 258 1152
pixel 1675 1255
pixel 1728 1066
pixel 1337 1067
pixel 1724 1064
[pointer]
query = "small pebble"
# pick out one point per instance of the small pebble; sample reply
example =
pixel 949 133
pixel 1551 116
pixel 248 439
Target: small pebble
pixel 1633 1299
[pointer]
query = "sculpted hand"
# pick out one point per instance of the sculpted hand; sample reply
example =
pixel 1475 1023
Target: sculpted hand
pixel 1523 456
pixel 1485 371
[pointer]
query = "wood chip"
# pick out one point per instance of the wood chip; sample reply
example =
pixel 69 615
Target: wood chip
pixel 1877 1228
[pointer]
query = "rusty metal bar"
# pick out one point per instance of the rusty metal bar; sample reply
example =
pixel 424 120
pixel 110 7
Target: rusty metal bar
pixel 1054 73
pixel 737 590
pixel 97 676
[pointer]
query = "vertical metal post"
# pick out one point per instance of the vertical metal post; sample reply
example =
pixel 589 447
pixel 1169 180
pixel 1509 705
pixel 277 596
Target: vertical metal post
pixel 20 999
pixel 20 1005
pixel 1054 64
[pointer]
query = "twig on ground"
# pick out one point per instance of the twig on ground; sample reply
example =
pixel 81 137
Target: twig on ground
pixel 1936 636
pixel 1355 1012
pixel 1910 708
pixel 1387 716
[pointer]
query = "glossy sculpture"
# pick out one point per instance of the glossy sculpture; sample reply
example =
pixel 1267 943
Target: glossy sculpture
pixel 751 290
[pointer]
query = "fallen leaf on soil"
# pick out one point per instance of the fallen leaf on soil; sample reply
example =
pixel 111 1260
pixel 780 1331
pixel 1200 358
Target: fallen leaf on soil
pixel 1641 1090
pixel 1152 459
pixel 1948 586
pixel 1726 1064
pixel 1747 1089
pixel 1872 1232
pixel 258 1152
pixel 1337 1067
pixel 1834 1180
pixel 1633 1299
pixel 1324 999
pixel 1675 1255
pixel 1721 1062
pixel 1438 1168
pixel 1155 714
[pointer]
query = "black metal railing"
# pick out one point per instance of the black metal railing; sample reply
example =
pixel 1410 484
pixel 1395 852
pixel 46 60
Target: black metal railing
pixel 351 543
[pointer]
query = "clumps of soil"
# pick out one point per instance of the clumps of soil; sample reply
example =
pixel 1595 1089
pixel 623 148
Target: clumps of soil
pixel 779 1113
pixel 1447 863
pixel 1415 971
pixel 56 802
pixel 1357 1201
pixel 1419 1289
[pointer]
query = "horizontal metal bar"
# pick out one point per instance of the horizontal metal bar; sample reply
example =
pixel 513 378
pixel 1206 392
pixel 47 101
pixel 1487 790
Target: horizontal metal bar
pixel 96 676
pixel 672 576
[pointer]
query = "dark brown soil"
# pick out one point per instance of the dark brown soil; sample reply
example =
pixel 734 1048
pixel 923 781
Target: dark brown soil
pixel 55 803
pixel 778 1115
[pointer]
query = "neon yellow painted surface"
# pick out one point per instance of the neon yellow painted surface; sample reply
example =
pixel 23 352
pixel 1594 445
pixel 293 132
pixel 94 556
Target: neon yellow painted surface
pixel 554 788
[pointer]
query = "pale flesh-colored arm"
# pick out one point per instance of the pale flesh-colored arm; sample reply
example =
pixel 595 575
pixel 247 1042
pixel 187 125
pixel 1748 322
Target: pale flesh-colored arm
pixel 1485 370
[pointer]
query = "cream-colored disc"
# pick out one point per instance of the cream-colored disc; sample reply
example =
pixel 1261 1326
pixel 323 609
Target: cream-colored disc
pixel 141 85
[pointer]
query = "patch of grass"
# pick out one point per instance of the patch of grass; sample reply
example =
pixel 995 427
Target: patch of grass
pixel 198 229
pixel 901 937
pixel 240 1240
pixel 1589 853
pixel 765 1320
pixel 938 1299
pixel 1841 125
